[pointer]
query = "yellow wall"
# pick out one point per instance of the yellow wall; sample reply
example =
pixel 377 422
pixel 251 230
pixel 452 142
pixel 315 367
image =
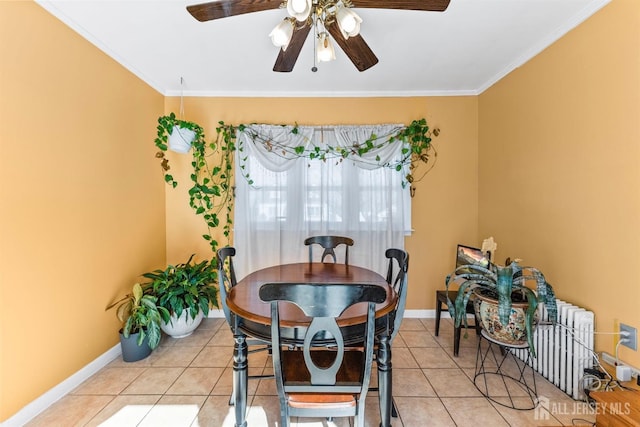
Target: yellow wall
pixel 547 161
pixel 439 220
pixel 560 167
pixel 81 199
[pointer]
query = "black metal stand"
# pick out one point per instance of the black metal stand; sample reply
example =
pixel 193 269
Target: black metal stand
pixel 508 379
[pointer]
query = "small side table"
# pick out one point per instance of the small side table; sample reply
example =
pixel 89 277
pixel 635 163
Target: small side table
pixel 502 377
pixel 441 300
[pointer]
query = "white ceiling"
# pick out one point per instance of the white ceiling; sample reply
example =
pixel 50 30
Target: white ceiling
pixel 461 51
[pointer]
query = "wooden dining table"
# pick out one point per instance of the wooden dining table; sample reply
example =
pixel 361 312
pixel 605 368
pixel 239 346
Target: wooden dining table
pixel 252 317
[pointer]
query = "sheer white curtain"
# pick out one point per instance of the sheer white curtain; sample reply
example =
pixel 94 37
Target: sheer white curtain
pixel 292 198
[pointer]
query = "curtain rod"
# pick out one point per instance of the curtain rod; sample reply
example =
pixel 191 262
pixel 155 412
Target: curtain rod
pixel 330 127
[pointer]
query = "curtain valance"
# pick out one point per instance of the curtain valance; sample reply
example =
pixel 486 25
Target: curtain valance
pixel 274 146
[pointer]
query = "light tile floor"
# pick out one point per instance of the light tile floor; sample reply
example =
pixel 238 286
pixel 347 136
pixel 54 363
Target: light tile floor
pixel 187 382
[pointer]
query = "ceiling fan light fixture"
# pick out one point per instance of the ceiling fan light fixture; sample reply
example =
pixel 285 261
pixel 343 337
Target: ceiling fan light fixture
pixel 299 9
pixel 282 33
pixel 348 22
pixel 325 52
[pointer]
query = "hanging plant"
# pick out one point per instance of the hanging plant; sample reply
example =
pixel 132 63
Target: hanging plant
pixel 211 193
pixel 169 126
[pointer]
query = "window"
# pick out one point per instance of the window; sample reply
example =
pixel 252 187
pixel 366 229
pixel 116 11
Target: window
pixel 292 198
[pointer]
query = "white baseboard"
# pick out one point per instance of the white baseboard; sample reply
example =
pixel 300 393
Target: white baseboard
pixel 215 314
pixel 58 392
pixel 34 408
pixel 424 314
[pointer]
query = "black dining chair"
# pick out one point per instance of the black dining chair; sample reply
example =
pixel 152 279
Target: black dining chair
pixel 329 244
pixel 325 379
pixel 226 281
pixel 397 278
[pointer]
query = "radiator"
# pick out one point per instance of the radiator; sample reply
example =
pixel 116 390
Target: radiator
pixel 565 351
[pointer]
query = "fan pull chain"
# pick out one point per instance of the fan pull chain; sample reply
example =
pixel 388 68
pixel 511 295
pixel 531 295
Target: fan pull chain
pixel 315 55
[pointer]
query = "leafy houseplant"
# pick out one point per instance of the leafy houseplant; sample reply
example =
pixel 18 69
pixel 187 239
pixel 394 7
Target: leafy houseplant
pixel 141 319
pixel 184 288
pixel 507 285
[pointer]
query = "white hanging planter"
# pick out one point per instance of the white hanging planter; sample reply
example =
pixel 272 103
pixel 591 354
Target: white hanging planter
pixel 183 326
pixel 180 139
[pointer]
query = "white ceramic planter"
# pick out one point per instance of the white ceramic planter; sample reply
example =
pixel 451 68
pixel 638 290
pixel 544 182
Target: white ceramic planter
pixel 183 326
pixel 180 139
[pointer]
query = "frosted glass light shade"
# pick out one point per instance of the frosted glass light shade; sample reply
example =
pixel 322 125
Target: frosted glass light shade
pixel 325 50
pixel 348 22
pixel 299 9
pixel 281 34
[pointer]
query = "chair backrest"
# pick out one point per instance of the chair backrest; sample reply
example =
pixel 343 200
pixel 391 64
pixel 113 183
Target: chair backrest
pixel 398 263
pixel 226 277
pixel 329 243
pixel 323 303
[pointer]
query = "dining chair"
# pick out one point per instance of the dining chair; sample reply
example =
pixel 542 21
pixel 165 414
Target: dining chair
pixel 329 243
pixel 397 278
pixel 324 379
pixel 226 281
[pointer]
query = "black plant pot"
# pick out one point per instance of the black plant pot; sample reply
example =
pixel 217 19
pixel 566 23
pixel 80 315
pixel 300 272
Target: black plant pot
pixel 131 351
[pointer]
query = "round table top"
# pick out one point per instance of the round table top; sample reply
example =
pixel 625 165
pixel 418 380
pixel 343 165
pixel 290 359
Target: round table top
pixel 244 301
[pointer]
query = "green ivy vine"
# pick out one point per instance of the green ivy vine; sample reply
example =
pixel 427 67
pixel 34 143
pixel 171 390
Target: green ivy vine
pixel 211 191
pixel 417 151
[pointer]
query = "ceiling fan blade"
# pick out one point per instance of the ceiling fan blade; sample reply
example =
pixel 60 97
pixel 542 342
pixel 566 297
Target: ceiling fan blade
pixel 355 48
pixel 225 8
pixel 424 5
pixel 287 58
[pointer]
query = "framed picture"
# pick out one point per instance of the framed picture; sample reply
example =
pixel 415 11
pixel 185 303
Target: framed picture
pixel 466 255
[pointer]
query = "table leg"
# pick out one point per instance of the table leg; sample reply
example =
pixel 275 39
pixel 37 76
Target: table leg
pixel 384 380
pixel 240 379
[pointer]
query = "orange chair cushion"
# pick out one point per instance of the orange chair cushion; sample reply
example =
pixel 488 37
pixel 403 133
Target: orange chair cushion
pixel 313 400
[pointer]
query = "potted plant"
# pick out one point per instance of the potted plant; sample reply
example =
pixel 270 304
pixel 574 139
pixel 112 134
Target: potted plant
pixel 141 318
pixel 505 307
pixel 186 291
pixel 176 134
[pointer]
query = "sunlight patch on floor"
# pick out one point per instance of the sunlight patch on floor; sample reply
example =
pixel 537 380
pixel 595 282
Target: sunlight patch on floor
pixel 125 415
pixel 171 415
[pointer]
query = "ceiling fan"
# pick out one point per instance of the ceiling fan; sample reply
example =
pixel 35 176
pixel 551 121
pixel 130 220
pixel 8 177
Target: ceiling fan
pixel 327 17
